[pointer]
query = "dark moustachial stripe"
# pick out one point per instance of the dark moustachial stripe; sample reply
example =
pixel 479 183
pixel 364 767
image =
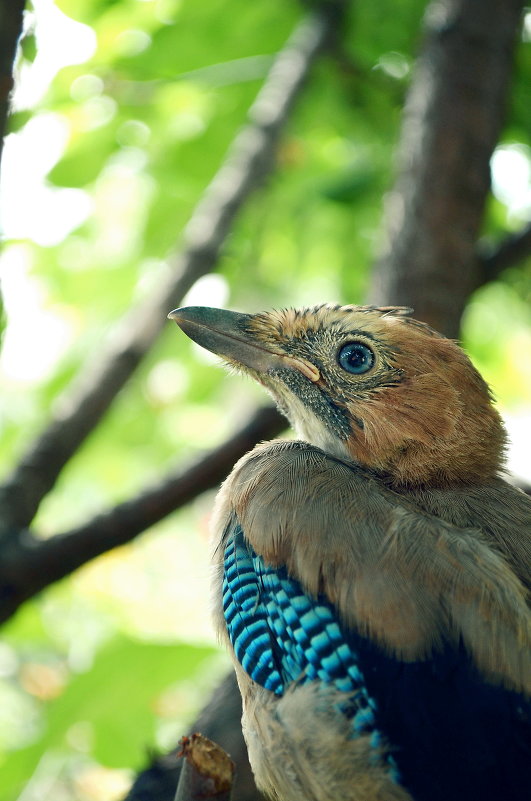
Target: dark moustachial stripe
pixel 334 417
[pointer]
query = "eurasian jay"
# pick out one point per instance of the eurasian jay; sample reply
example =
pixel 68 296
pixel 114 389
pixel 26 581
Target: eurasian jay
pixel 371 576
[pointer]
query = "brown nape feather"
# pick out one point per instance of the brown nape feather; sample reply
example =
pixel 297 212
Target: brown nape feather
pixel 438 425
pixel 423 416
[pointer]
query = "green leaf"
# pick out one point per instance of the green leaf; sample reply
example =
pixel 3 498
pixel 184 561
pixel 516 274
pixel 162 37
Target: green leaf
pixel 116 698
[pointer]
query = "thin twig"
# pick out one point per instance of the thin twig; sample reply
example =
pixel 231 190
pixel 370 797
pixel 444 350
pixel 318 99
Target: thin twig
pixel 30 564
pixel 249 160
pixel 207 770
pixel 493 260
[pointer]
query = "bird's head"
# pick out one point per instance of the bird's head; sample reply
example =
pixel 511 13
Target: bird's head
pixel 367 384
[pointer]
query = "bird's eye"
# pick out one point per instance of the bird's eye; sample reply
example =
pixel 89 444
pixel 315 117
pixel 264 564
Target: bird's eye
pixel 356 357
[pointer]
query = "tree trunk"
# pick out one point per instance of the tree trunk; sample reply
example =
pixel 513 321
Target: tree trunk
pixel 452 122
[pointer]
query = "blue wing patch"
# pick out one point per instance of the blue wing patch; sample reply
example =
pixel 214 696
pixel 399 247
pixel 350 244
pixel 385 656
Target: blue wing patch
pixel 246 618
pixel 281 635
pixel 451 734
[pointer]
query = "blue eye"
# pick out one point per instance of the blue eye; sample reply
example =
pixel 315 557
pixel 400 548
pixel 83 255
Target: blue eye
pixel 356 357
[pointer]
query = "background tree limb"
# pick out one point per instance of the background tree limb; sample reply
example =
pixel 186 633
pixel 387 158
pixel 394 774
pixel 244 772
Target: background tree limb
pixel 30 564
pixel 452 121
pixel 11 19
pixel 250 158
pixel 494 259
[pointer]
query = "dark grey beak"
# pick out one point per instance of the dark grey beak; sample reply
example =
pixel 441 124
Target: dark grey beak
pixel 230 335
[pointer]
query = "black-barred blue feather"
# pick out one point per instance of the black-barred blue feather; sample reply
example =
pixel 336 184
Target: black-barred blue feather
pixel 281 635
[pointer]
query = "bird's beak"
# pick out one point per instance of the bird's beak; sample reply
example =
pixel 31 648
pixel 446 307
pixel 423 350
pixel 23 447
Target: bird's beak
pixel 230 335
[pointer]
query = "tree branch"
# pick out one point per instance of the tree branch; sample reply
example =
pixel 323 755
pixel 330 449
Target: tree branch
pixel 493 260
pixel 249 160
pixel 521 484
pixel 30 564
pixel 452 121
pixel 207 770
pixel 11 19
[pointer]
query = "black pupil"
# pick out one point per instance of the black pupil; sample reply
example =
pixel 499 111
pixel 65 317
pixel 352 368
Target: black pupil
pixel 357 358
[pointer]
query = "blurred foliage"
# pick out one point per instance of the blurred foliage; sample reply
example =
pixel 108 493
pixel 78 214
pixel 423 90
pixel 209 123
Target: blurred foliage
pixel 123 113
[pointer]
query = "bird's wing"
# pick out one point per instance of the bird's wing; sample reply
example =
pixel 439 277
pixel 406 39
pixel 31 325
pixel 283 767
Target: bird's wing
pixel 324 571
pixel 407 580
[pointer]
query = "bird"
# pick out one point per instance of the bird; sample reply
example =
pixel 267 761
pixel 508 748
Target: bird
pixel 371 576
